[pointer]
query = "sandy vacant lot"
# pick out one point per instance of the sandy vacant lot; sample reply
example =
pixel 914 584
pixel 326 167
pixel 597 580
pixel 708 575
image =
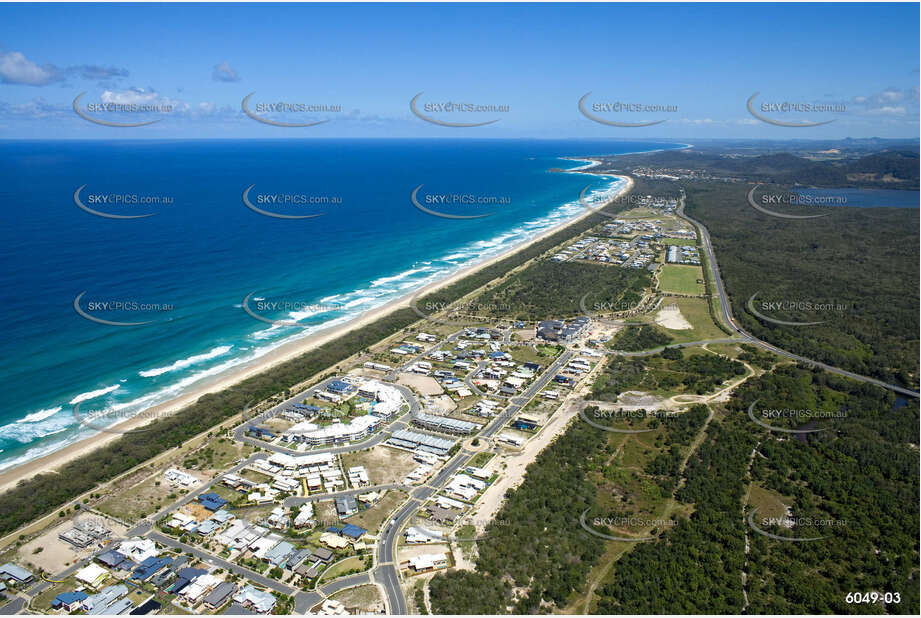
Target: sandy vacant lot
pixel 385 465
pixel 422 384
pixel 131 500
pixel 443 404
pixel 636 400
pixel 372 519
pixel 56 555
pixel 670 317
pixel 405 552
pixel 525 334
pixel 364 599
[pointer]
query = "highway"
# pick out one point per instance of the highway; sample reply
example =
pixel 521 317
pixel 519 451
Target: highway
pixel 726 309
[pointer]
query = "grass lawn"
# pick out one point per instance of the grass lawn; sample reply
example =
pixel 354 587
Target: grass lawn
pixel 481 459
pixel 254 513
pixel 467 531
pixel 549 351
pixel 697 312
pixel 625 486
pixel 256 477
pixel 726 349
pixel 681 279
pixel 220 454
pixel 680 242
pixel 349 564
pixel 543 355
pixel 463 405
pixel 640 212
pixel 231 495
pixel 42 602
pixel 634 454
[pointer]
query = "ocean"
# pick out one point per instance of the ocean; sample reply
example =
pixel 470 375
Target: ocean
pixel 172 285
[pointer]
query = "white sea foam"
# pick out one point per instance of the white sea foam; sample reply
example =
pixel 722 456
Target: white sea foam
pixel 40 415
pixel 33 453
pixel 403 275
pixel 186 362
pixel 24 433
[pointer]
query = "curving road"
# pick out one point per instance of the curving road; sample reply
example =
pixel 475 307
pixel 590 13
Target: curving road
pixel 726 309
pixel 387 572
pixel 399 422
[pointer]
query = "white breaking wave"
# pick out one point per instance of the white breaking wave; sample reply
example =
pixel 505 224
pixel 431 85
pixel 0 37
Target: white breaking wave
pixel 24 433
pixel 40 415
pixel 403 275
pixel 94 394
pixel 588 164
pixel 186 362
pixel 32 453
pixel 296 316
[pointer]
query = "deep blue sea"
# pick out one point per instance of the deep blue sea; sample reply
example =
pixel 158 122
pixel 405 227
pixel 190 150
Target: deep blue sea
pixel 187 269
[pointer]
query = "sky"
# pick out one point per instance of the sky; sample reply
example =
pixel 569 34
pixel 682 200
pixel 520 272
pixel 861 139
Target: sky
pixel 528 64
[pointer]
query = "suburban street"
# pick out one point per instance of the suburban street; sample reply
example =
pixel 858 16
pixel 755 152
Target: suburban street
pixel 396 424
pixel 387 573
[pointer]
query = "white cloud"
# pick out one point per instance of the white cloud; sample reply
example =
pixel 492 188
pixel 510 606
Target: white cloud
pixel 15 68
pixel 36 109
pixel 889 102
pixel 888 110
pixel 142 96
pixel 223 73
pixel 96 72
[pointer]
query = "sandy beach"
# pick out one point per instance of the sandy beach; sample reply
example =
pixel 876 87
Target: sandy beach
pixel 283 353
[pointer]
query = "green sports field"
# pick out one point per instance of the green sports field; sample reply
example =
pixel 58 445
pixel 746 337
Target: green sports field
pixel 680 279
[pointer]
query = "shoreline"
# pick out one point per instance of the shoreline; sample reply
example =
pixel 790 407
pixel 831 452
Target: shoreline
pixel 285 352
